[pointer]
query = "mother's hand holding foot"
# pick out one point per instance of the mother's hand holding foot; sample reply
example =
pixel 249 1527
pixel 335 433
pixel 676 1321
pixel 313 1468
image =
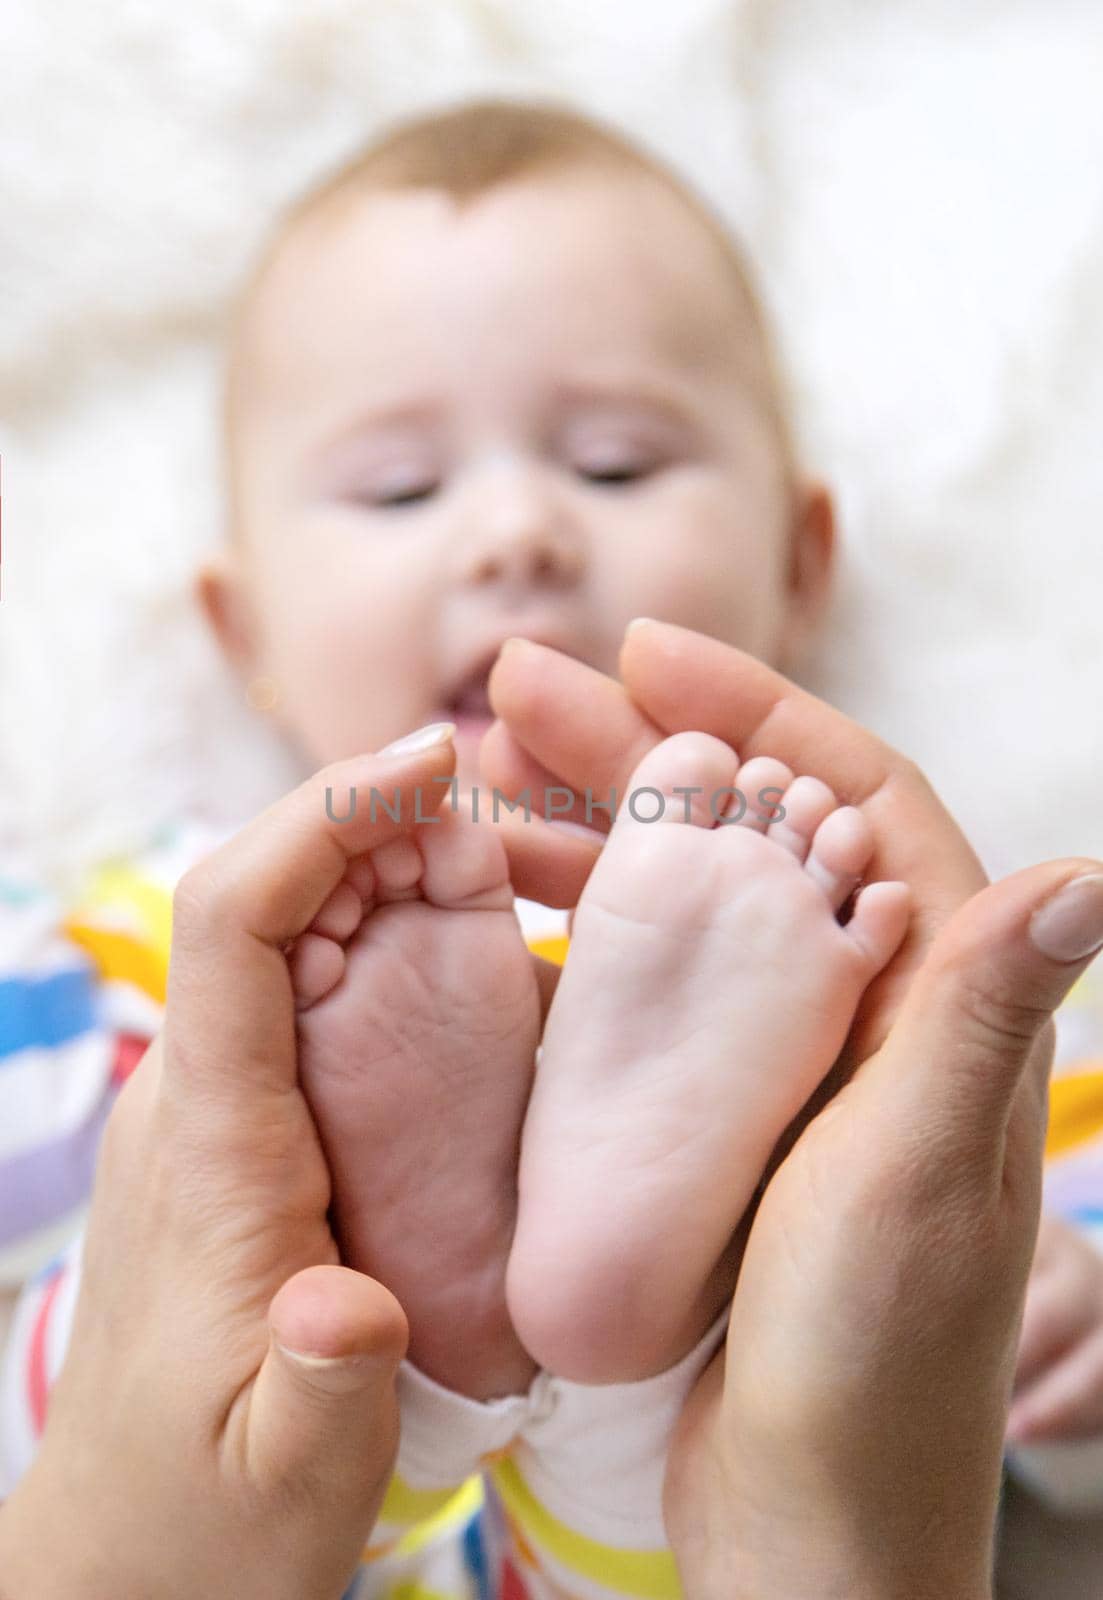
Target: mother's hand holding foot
pixel 849 1441
pixel 851 1445
pixel 225 1423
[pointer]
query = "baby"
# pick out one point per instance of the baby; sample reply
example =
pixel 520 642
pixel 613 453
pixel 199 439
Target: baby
pixel 502 377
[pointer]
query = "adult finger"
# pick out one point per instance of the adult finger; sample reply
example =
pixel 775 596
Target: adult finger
pixel 1054 1320
pixel 547 862
pixel 963 1073
pixel 570 724
pixel 1064 1301
pixel 1065 1402
pixel 323 1405
pixel 229 991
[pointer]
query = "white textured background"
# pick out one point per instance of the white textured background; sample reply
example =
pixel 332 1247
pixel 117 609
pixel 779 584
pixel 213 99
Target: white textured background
pixel 921 184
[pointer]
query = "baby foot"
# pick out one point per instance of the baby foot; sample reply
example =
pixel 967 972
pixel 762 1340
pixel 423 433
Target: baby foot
pixel 418 1020
pixel 708 989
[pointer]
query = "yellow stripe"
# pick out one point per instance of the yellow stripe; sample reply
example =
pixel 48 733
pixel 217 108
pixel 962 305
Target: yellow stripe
pixel 553 949
pixel 138 951
pixel 401 1503
pixel 650 1574
pixel 410 1589
pixel 432 1510
pixel 1081 990
pixel 119 955
pixel 113 886
pixel 1075 1109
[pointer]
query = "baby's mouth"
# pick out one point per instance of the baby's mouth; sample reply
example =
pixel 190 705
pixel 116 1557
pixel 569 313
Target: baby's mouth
pixel 469 706
pixel 468 703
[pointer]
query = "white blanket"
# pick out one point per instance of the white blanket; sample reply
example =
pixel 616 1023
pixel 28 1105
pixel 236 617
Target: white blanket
pixel 918 181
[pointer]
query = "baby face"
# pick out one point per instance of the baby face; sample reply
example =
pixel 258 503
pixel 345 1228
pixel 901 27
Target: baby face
pixel 541 415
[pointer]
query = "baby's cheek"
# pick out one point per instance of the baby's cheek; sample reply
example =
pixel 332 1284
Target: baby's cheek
pixel 346 688
pixel 707 563
pixel 712 598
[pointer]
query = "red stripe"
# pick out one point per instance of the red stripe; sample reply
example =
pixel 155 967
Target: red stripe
pixel 512 1587
pixel 38 1386
pixel 129 1050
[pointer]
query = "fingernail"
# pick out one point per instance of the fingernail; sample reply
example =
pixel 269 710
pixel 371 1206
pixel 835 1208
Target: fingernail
pixel 336 1375
pixel 319 1363
pixel 637 622
pixel 421 739
pixel 1070 924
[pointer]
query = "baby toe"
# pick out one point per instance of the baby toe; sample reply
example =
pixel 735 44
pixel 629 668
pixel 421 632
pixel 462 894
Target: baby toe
pixel 341 914
pixel 361 877
pixel 397 867
pixel 465 865
pixel 316 965
pixel 839 853
pixel 688 778
pixel 760 785
pixel 806 803
pixel 880 921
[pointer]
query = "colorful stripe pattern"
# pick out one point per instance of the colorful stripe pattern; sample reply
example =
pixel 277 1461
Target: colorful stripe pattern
pixel 81 992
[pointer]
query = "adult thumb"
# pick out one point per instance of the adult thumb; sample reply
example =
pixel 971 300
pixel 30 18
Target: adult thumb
pixel 968 1057
pixel 323 1414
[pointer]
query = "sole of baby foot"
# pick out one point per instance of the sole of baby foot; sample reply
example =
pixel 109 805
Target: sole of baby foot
pixel 708 989
pixel 418 1023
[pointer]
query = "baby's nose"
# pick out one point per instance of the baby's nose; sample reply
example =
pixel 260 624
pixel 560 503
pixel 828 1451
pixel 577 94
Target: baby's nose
pixel 523 535
pixel 534 557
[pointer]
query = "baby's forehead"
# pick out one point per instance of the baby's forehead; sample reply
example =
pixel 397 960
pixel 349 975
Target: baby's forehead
pixel 636 233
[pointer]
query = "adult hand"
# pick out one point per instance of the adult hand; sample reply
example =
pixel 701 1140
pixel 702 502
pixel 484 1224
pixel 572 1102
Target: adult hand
pixel 851 1443
pixel 225 1422
pixel 874 1328
pixel 1059 1374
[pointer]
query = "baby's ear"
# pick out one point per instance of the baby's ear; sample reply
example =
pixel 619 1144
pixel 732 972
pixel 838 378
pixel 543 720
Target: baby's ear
pixel 221 596
pixel 811 568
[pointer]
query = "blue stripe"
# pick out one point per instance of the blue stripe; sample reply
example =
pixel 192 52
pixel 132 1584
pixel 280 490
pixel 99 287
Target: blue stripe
pixel 1088 1214
pixel 39 1013
pixel 13 892
pixel 474 1555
